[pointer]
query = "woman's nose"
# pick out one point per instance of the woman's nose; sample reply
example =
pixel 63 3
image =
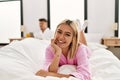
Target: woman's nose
pixel 61 36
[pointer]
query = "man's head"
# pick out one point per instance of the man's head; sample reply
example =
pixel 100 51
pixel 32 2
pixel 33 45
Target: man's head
pixel 43 24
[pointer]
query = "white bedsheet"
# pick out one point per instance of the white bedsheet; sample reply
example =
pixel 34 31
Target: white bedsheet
pixel 20 60
pixel 104 65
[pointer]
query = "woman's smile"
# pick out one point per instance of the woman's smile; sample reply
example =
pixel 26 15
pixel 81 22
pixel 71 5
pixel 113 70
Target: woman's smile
pixel 60 42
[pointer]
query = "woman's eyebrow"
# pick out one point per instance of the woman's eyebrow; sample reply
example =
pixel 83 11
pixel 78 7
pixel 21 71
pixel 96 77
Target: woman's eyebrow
pixel 59 29
pixel 67 32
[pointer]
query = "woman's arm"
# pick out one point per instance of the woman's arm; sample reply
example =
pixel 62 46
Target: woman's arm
pixel 57 54
pixel 45 73
pixel 55 63
pixel 83 70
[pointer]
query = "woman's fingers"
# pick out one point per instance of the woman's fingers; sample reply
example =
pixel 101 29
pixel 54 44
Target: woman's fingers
pixel 55 47
pixel 42 73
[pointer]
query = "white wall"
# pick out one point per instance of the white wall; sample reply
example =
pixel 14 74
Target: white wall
pixel 60 11
pixel 32 11
pixel 9 21
pixel 100 15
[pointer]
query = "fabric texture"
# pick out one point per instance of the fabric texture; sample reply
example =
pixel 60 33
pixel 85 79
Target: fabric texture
pixel 80 60
pixel 46 35
pixel 20 60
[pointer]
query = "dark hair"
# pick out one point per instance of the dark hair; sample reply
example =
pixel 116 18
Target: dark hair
pixel 43 19
pixel 68 22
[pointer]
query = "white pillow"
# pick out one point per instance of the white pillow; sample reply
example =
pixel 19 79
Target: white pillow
pixel 95 46
pixel 94 37
pixel 35 49
pixel 67 69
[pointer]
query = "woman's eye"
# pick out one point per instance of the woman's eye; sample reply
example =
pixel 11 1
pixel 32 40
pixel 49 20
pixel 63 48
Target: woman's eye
pixel 59 32
pixel 68 35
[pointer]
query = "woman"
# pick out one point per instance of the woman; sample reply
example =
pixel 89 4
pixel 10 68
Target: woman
pixel 66 49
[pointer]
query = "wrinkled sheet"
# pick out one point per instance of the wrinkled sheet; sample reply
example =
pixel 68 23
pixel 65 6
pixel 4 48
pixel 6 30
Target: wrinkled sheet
pixel 20 60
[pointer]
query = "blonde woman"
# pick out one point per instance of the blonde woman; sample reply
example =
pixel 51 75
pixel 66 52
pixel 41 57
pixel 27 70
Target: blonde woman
pixel 65 49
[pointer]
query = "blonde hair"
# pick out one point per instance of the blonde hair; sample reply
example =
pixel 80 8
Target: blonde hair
pixel 75 40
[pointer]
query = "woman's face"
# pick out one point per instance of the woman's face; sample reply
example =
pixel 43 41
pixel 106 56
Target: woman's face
pixel 63 36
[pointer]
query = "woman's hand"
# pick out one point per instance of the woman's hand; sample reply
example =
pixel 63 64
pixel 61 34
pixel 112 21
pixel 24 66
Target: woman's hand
pixel 56 48
pixel 42 73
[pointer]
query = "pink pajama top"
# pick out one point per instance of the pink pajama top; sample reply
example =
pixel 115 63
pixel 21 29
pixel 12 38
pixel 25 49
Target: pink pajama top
pixel 81 60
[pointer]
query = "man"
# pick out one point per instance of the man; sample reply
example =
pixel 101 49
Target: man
pixel 45 32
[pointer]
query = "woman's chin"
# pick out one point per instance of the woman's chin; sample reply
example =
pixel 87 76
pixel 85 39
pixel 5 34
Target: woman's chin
pixel 61 46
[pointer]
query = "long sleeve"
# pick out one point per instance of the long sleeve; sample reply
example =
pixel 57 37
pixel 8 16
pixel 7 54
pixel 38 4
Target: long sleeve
pixel 49 55
pixel 83 71
pixel 81 61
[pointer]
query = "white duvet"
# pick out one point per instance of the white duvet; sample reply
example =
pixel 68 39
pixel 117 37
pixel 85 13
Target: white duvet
pixel 20 60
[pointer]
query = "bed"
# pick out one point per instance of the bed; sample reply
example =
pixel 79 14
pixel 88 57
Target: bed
pixel 20 60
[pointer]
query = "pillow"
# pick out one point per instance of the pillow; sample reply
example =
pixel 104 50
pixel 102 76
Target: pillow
pixel 95 46
pixel 67 69
pixel 35 49
pixel 94 37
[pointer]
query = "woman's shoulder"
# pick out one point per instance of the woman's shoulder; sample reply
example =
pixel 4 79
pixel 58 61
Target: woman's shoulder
pixel 84 49
pixel 82 46
pixel 49 48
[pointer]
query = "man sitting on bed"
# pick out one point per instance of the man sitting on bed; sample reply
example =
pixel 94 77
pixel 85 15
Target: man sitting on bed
pixel 44 32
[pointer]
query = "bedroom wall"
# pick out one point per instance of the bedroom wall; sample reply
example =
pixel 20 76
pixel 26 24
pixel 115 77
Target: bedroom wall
pixel 32 11
pixel 100 15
